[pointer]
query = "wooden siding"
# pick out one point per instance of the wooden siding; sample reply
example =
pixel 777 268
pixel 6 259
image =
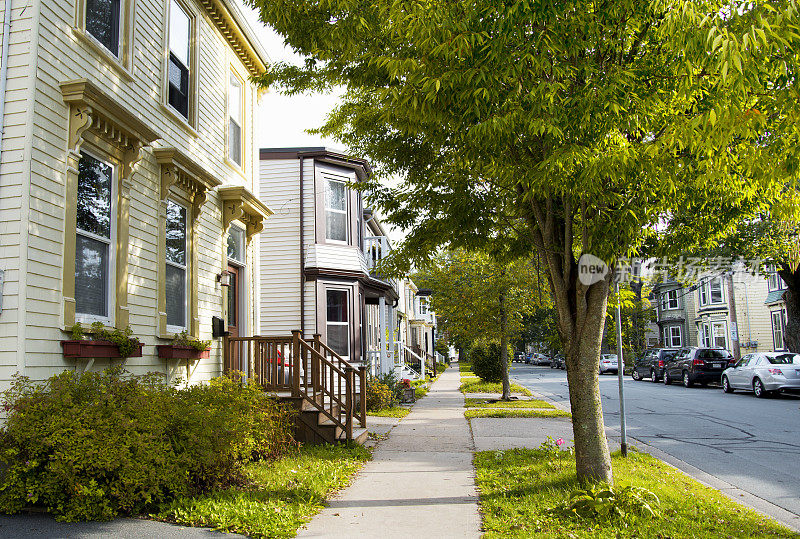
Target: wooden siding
pixel 34 165
pixel 279 247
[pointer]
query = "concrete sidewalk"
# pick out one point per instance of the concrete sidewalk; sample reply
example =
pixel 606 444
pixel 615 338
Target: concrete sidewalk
pixel 420 481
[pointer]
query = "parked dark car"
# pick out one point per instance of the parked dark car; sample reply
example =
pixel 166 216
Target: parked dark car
pixel 651 364
pixel 558 362
pixel 519 357
pixel 697 365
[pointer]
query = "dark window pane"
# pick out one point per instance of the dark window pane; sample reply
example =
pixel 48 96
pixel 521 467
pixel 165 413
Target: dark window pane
pixel 235 142
pixel 102 21
pixel 232 291
pixel 337 306
pixel 336 226
pixel 176 233
pixel 94 196
pixel 91 276
pixel 176 296
pixel 178 86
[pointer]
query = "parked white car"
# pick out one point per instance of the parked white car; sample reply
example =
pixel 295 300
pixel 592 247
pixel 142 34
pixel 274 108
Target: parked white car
pixel 608 363
pixel 763 373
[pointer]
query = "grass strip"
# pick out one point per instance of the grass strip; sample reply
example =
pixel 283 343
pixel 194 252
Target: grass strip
pixel 481 403
pixel 465 369
pixel 505 413
pixel 476 385
pixel 518 488
pixel 282 495
pixel 394 411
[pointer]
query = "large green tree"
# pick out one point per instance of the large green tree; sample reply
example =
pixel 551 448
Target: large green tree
pixel 574 127
pixel 479 298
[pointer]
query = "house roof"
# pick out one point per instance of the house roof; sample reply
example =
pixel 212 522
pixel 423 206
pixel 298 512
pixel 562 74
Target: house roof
pixel 330 155
pixel 774 297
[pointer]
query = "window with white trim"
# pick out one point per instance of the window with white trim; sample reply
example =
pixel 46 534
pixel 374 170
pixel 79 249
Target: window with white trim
pixel 177 265
pixel 102 21
pixel 778 330
pixel 711 292
pixel 669 300
pixel 676 337
pixel 235 116
pixel 338 321
pixel 179 61
pixel 774 281
pixel 719 334
pixel 336 224
pixel 94 242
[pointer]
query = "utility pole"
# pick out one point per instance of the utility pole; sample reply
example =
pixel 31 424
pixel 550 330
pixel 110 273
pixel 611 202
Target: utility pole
pixel 623 442
pixel 734 330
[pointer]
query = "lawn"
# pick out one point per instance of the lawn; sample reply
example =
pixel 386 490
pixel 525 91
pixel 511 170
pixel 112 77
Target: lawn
pixel 533 403
pixel 281 497
pixel 476 385
pixel 506 413
pixel 519 489
pixel 394 411
pixel 465 369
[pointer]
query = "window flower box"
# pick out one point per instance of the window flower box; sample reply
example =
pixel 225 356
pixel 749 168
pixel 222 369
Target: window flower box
pixel 177 351
pixel 96 349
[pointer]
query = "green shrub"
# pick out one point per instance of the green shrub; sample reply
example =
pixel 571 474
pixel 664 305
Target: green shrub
pixel 603 503
pixel 379 395
pixel 485 362
pixel 91 446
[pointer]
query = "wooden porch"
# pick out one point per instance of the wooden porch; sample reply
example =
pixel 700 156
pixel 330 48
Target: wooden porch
pixel 328 393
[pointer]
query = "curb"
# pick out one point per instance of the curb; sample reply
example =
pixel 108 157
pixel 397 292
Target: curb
pixel 737 495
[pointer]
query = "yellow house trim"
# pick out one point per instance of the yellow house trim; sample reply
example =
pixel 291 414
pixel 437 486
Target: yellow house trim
pixel 239 203
pixel 119 136
pixel 233 27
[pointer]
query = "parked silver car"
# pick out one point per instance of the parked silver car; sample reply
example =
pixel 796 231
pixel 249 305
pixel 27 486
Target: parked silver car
pixel 608 363
pixel 763 373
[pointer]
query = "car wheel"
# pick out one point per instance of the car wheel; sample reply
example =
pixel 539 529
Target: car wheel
pixel 635 375
pixel 726 385
pixel 758 389
pixel 687 380
pixel 653 377
pixel 667 379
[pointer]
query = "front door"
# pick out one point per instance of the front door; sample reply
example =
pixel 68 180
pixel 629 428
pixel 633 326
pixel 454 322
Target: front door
pixel 233 317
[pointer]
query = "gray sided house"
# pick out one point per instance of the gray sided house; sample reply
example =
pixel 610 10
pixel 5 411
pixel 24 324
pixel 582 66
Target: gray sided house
pixel 675 313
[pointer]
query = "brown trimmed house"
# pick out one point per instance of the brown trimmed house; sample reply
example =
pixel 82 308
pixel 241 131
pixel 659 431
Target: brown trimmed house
pixel 126 180
pixel 318 256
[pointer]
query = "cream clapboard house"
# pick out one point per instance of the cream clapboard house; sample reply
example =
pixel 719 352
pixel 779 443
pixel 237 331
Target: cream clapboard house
pixel 127 179
pixel 318 253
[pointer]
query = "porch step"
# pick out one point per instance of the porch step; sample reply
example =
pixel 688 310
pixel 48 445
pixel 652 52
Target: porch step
pixel 359 436
pixel 315 427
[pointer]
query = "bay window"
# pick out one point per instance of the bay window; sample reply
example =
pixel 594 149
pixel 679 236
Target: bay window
pixel 778 330
pixel 336 224
pixel 177 262
pixel 94 241
pixel 711 293
pixel 178 70
pixel 235 115
pixel 337 323
pixel 719 334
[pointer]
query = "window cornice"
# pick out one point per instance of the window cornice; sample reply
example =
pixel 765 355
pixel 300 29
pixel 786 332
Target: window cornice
pixel 180 170
pixel 239 203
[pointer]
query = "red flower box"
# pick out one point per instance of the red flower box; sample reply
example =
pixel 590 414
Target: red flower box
pixel 174 351
pixel 95 349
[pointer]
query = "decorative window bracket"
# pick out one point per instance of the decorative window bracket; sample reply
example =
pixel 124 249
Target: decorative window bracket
pixel 239 203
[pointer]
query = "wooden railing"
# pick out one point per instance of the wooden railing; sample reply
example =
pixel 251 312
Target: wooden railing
pixel 307 369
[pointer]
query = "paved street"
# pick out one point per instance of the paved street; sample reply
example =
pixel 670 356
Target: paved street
pixel 750 443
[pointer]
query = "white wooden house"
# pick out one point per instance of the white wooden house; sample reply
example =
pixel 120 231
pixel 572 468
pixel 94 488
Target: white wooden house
pixel 319 252
pixel 126 178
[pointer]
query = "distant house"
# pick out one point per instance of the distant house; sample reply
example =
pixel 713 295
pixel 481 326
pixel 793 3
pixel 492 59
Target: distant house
pixel 127 179
pixel 675 314
pixel 319 254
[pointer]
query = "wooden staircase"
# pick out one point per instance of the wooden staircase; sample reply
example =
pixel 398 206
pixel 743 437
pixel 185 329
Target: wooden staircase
pixel 323 388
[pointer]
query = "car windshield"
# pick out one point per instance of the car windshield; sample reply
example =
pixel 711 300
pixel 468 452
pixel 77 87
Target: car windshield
pixel 784 359
pixel 669 354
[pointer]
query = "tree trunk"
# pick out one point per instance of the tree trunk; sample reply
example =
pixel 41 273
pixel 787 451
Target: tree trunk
pixel 592 457
pixel 504 348
pixel 792 299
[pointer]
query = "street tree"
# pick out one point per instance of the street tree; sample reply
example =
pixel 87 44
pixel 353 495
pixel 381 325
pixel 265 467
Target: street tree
pixel 478 298
pixel 575 128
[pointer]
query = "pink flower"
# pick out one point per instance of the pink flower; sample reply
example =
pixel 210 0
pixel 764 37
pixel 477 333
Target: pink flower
pixel 560 442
